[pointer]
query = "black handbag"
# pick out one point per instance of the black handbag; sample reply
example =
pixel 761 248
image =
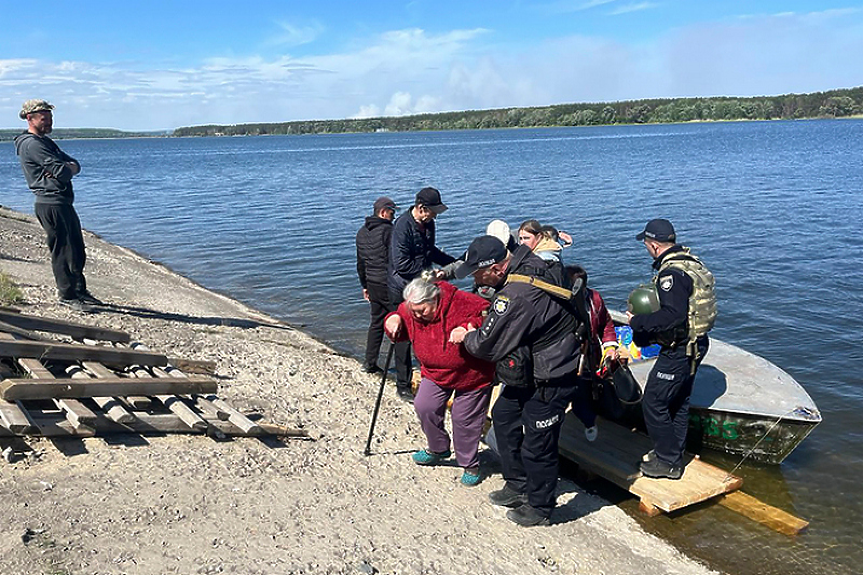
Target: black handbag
pixel 625 385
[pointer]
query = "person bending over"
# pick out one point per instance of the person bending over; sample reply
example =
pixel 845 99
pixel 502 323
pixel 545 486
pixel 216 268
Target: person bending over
pixel 429 311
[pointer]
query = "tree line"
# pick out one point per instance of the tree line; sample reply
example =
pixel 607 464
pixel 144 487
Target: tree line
pixel 832 104
pixel 68 133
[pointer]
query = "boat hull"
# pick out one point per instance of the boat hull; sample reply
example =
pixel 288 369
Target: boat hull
pixel 746 435
pixel 741 403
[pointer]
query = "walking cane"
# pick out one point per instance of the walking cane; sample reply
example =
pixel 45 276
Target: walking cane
pixel 368 450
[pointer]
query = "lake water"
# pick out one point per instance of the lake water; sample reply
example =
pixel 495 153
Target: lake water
pixel 774 208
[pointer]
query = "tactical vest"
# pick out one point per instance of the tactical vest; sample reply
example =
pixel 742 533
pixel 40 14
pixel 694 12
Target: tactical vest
pixel 702 301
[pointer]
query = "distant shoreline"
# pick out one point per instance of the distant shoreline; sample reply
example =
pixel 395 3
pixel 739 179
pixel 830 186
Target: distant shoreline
pixel 141 137
pixel 833 104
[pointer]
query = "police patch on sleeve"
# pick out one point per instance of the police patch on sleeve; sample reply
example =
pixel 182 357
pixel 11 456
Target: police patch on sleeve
pixel 500 304
pixel 666 282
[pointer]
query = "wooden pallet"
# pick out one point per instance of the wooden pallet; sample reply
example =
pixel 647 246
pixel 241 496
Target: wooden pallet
pixel 100 384
pixel 616 454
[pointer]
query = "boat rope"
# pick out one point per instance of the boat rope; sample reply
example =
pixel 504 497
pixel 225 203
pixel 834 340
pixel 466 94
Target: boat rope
pixel 757 443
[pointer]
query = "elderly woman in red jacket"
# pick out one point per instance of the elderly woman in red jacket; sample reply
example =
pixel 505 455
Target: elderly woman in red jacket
pixel 429 313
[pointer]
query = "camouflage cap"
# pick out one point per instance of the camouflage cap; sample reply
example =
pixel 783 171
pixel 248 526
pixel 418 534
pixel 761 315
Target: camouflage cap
pixel 31 106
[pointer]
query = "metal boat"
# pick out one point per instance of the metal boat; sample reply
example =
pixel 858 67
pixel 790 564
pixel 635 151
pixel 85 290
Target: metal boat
pixel 742 404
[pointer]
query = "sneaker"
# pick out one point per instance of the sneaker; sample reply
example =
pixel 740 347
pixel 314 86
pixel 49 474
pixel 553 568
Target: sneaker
pixel 426 457
pixel 660 470
pixel 406 395
pixel 89 299
pixel 471 477
pixel 507 497
pixel 372 369
pixel 649 456
pixel 75 304
pixel 591 432
pixel 527 516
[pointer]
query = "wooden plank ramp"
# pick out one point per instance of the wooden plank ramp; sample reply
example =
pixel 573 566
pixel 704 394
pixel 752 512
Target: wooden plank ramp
pixel 616 454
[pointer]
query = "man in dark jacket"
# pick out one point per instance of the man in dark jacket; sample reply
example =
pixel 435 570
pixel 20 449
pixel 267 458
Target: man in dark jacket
pixel 373 256
pixel 49 172
pixel 412 250
pixel 687 311
pixel 533 338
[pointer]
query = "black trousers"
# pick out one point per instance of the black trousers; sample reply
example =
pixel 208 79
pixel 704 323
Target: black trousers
pixel 402 352
pixel 527 423
pixel 666 401
pixel 379 307
pixel 66 244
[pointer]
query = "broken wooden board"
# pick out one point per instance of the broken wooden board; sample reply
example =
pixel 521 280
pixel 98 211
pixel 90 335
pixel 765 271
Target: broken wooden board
pixel 616 455
pixel 18 389
pixel 152 424
pixel 76 330
pixel 76 352
pixel 14 418
pixel 198 366
pixel 79 415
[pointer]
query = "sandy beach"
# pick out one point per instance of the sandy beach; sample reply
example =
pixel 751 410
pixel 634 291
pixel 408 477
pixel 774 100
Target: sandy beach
pixel 190 504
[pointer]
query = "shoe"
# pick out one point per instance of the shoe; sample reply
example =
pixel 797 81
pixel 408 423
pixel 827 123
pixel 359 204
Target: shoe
pixel 373 369
pixel 527 516
pixel 591 432
pixel 507 497
pixel 75 304
pixel 89 299
pixel 471 477
pixel 660 470
pixel 649 456
pixel 426 457
pixel 406 395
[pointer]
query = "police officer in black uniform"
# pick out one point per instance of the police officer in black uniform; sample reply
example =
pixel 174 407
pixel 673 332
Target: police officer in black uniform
pixel 669 385
pixel 532 337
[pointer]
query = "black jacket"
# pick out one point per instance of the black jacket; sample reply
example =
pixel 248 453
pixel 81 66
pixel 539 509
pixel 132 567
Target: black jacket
pixel 412 250
pixel 521 314
pixel 373 251
pixel 668 323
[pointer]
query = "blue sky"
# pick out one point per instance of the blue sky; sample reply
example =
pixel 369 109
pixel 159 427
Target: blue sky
pixel 159 65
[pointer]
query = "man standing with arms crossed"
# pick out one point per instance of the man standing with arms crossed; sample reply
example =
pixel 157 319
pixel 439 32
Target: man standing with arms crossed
pixel 49 172
pixel 412 250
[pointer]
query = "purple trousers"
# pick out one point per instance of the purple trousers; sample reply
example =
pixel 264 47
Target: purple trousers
pixel 469 410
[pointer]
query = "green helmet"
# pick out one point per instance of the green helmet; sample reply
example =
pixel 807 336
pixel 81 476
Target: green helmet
pixel 643 299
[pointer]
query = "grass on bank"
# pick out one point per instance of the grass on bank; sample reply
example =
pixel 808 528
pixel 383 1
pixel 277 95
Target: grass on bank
pixel 9 292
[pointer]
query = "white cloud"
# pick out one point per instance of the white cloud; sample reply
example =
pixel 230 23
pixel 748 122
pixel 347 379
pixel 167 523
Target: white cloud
pixel 569 6
pixel 634 7
pixel 291 35
pixel 416 71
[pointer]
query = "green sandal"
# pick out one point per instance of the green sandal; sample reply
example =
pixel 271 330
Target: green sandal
pixel 426 457
pixel 471 478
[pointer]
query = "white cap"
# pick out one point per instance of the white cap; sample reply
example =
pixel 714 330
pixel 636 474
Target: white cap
pixel 500 230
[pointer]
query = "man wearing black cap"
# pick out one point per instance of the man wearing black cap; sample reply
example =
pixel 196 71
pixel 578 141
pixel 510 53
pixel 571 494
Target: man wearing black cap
pixel 49 172
pixel 533 338
pixel 412 250
pixel 373 256
pixel 687 312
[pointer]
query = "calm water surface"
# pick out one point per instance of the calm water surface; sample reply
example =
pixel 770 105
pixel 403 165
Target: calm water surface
pixel 774 208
